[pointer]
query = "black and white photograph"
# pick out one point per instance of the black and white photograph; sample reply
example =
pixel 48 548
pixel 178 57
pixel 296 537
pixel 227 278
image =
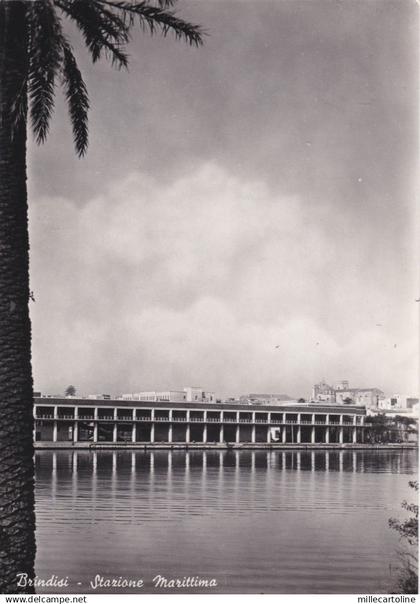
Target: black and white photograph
pixel 209 298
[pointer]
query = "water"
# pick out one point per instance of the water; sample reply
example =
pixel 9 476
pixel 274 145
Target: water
pixel 255 521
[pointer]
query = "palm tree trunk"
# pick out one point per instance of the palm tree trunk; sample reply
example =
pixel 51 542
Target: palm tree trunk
pixel 17 517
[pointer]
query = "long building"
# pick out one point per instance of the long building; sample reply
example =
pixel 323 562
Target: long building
pixel 64 422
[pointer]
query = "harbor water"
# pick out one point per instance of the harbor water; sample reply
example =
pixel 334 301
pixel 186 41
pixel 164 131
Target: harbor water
pixel 244 521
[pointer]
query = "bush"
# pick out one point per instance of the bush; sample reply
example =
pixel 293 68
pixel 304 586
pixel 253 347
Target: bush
pixel 407 569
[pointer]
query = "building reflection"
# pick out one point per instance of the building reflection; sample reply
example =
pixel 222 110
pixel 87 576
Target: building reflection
pixel 58 466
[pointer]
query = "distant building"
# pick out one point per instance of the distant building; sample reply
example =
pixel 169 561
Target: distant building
pixel 189 394
pixel 388 403
pixel 324 393
pixel 343 394
pixel 195 393
pixel 101 397
pixel 343 385
pixel 398 401
pixel 369 397
pixel 177 396
pixel 265 399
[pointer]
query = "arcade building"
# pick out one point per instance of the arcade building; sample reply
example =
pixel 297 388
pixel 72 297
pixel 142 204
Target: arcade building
pixel 73 422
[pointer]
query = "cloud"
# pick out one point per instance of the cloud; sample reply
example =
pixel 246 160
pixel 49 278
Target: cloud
pixel 153 285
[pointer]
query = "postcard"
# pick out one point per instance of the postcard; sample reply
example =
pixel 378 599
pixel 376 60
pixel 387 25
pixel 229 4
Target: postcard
pixel 209 298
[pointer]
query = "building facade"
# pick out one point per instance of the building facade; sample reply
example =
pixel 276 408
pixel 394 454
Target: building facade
pixel 156 396
pixel 369 397
pixel 265 399
pixel 188 394
pixel 85 422
pixel 323 393
pixel 343 394
pixel 398 402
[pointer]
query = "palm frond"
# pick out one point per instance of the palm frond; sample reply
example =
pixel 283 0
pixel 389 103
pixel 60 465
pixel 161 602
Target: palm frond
pixel 77 97
pixel 45 40
pixel 166 3
pixel 103 30
pixel 157 19
pixel 112 24
pixel 105 26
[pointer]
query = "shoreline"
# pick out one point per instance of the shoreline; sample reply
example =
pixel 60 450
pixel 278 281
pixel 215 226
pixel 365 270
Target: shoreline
pixel 221 446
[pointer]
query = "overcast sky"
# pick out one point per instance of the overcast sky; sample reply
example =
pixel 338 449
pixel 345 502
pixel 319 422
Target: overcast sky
pixel 245 217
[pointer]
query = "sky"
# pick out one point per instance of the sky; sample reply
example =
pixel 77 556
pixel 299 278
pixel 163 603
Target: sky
pixel 245 217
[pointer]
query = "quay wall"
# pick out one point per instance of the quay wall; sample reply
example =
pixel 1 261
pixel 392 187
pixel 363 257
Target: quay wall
pixel 220 446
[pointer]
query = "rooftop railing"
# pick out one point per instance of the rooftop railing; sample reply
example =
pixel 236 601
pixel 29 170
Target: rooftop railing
pixel 229 420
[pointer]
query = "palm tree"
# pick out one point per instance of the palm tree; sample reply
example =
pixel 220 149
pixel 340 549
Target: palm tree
pixel 35 54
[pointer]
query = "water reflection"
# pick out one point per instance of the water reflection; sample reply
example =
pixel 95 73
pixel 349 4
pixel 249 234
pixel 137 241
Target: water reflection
pixel 270 521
